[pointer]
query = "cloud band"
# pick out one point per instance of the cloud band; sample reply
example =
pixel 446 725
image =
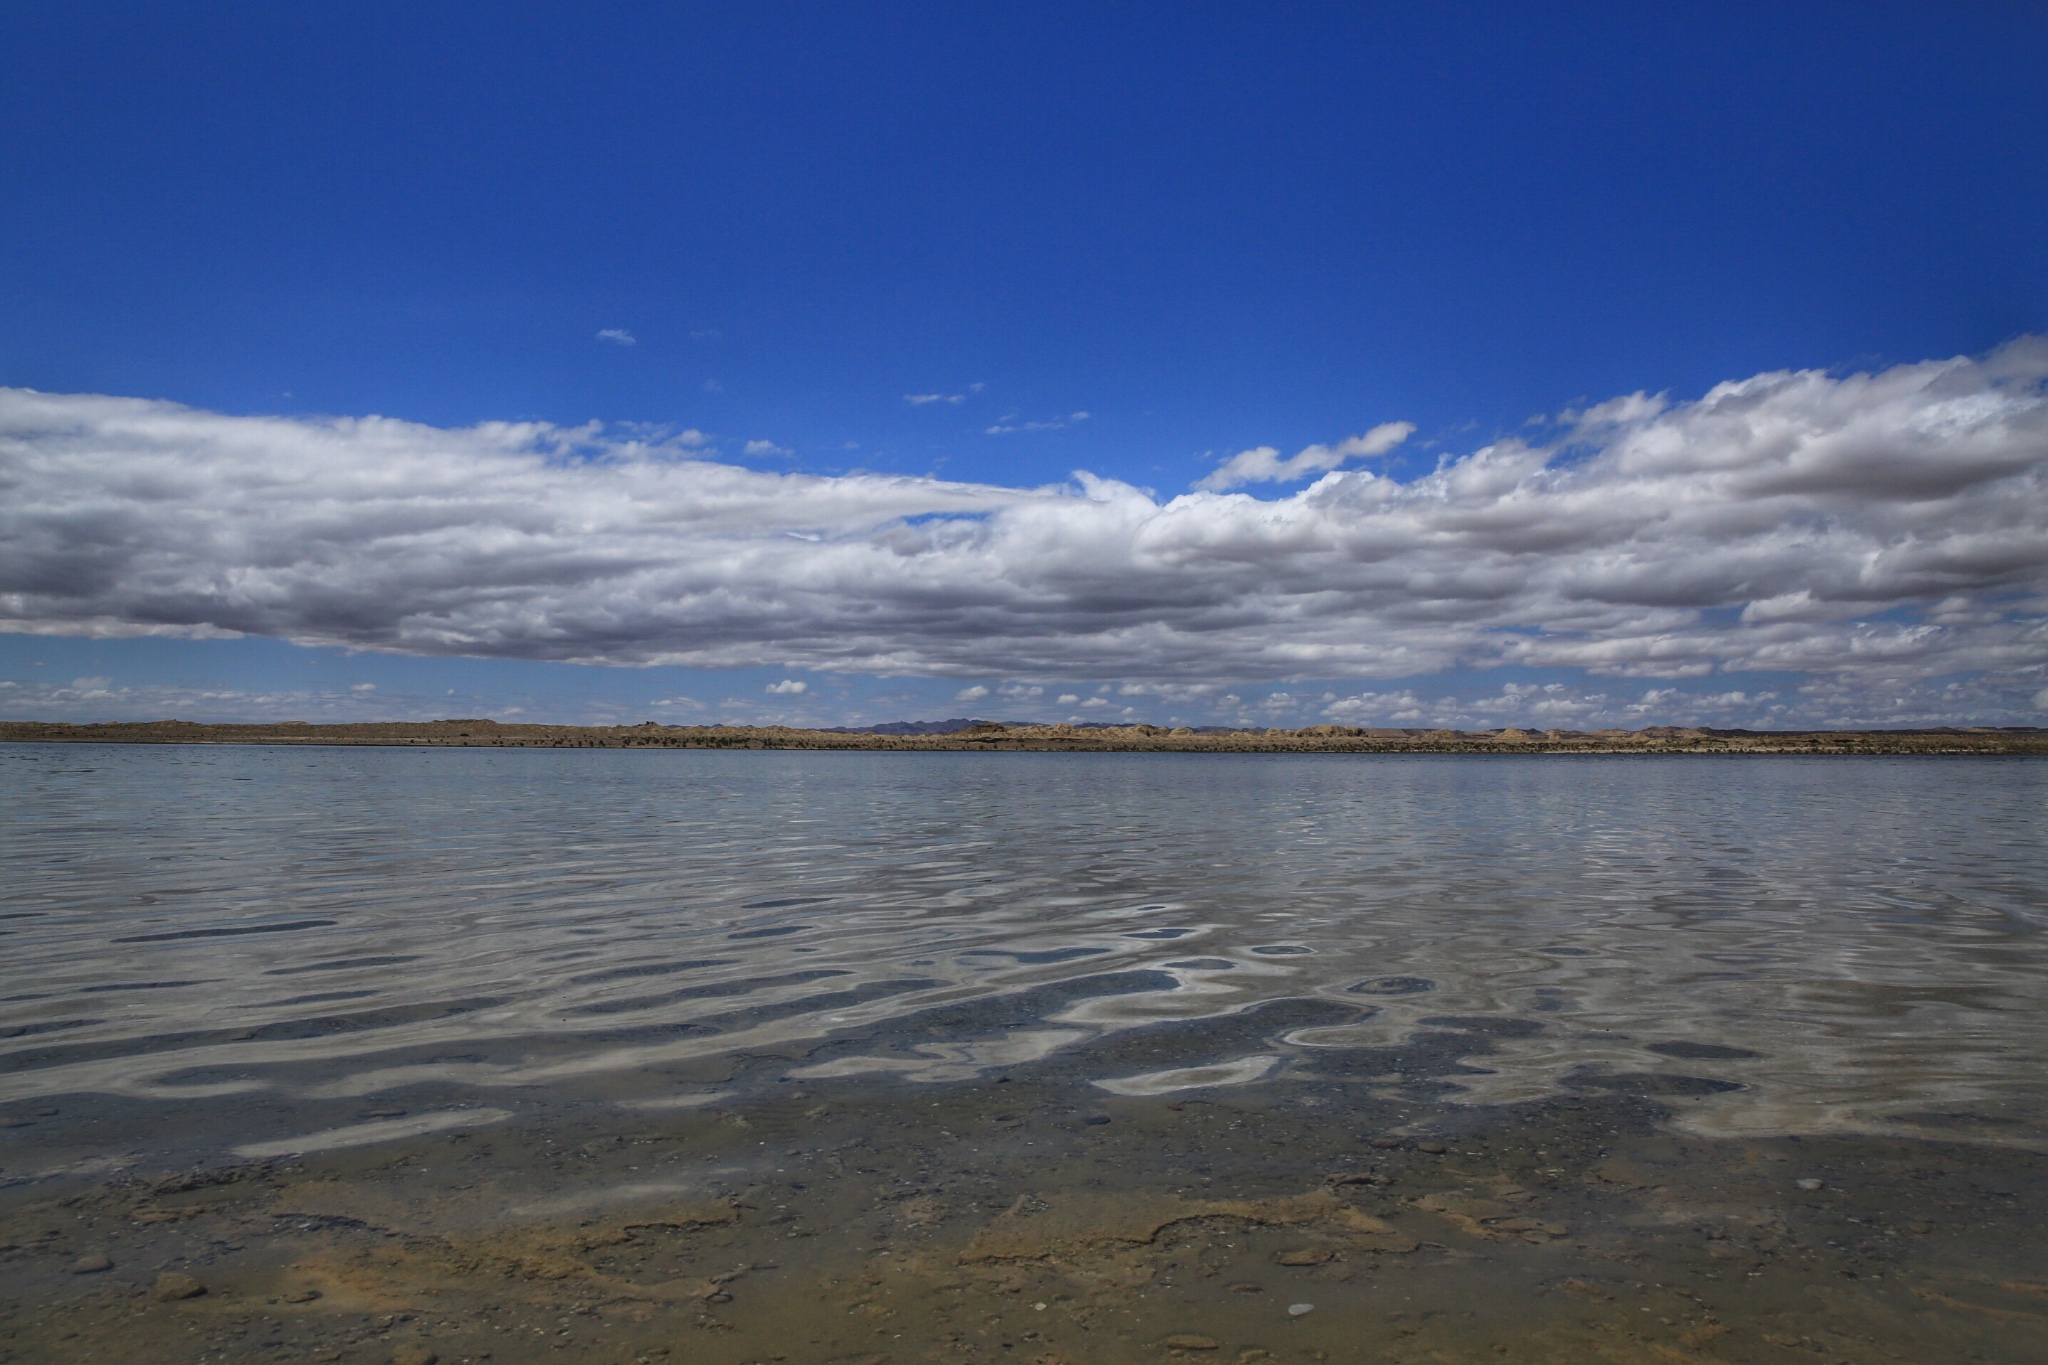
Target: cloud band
pixel 1796 520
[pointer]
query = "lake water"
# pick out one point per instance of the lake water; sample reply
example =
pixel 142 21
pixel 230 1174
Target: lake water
pixel 1631 1002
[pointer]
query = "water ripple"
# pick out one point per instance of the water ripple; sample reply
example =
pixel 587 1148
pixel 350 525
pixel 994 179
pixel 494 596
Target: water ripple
pixel 1779 944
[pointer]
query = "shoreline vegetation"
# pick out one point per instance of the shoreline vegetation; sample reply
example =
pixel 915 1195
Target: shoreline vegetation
pixel 994 736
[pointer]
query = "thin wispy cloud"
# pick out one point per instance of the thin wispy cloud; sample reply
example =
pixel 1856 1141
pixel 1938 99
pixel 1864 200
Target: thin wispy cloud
pixel 1865 532
pixel 1264 465
pixel 618 336
pixel 1008 424
pixel 920 400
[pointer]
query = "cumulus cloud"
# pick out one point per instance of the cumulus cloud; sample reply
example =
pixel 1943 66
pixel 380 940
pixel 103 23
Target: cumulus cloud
pixel 1264 465
pixel 1172 693
pixel 788 687
pixel 766 448
pixel 1366 708
pixel 974 693
pixel 618 336
pixel 1819 702
pixel 100 698
pixel 1872 530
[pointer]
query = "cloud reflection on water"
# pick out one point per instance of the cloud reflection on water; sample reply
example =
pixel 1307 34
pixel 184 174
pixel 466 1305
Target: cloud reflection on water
pixel 1775 944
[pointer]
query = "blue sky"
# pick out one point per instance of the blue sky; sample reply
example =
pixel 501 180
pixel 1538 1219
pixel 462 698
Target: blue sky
pixel 1128 240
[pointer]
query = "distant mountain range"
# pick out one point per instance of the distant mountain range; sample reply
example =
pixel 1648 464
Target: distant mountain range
pixel 959 723
pixel 911 727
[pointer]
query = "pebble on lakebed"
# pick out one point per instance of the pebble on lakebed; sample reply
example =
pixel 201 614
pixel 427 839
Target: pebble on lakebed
pixel 91 1264
pixel 172 1286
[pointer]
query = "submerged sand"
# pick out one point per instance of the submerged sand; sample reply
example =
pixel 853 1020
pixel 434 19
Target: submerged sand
pixel 1038 1220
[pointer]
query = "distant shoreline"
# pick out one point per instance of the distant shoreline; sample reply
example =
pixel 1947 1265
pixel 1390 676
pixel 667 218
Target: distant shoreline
pixel 985 737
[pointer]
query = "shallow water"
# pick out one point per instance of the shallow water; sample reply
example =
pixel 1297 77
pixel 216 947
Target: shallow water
pixel 1635 985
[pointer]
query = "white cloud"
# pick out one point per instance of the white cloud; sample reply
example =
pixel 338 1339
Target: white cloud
pixel 618 336
pixel 363 687
pixel 788 687
pixel 1868 533
pixel 1822 702
pixel 974 693
pixel 918 400
pixel 1176 693
pixel 1366 708
pixel 1005 425
pixel 1552 705
pixel 766 448
pixel 1264 465
pixel 1067 699
pixel 97 698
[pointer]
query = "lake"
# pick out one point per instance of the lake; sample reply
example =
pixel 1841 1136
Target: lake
pixel 616 1055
